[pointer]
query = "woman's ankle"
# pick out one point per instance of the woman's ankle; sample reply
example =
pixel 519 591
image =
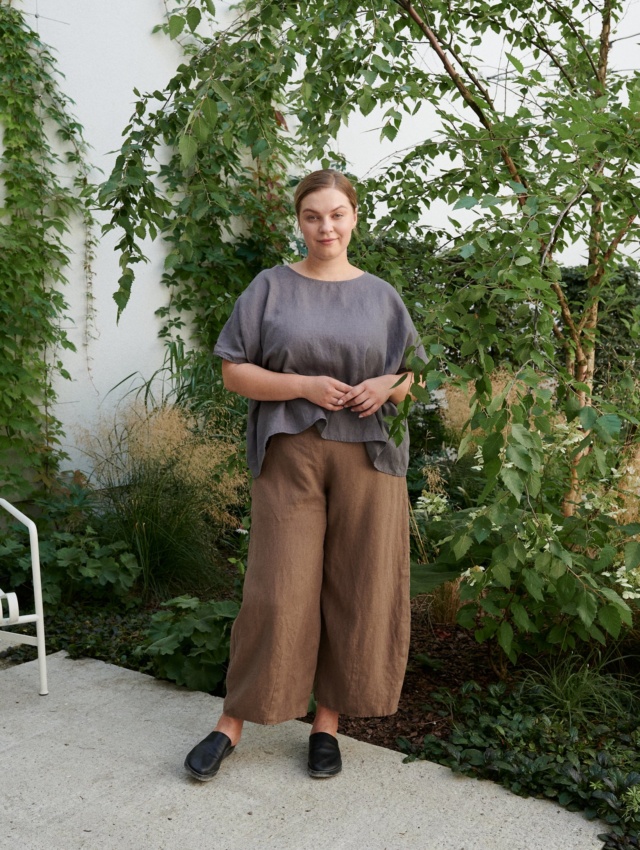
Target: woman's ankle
pixel 231 727
pixel 326 720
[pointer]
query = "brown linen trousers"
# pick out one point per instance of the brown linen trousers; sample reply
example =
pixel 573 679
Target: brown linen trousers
pixel 326 596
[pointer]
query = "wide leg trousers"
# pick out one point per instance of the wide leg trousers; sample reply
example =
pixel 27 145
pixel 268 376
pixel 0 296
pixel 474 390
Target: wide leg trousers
pixel 326 596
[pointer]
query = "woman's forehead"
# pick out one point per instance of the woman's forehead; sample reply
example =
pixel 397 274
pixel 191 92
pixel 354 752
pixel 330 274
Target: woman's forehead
pixel 326 200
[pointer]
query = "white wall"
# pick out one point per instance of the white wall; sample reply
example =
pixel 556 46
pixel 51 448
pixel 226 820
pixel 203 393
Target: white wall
pixel 105 48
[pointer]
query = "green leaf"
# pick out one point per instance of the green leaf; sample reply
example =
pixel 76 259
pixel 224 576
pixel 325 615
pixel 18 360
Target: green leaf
pixel 588 417
pixel 194 16
pixel 427 577
pixel 523 435
pixel 462 546
pixel 534 584
pixel 465 202
pixel 520 458
pixel 492 446
pixel 521 618
pixel 366 103
pixel 501 573
pixel 587 607
pixel 608 426
pixel 522 261
pixel 632 555
pixel 513 482
pixel 222 91
pixel 609 619
pixel 505 636
pixel 210 112
pixel 466 615
pixel 465 442
pixel 434 380
pixel 201 130
pixel 176 25
pixel 226 608
pixel 389 131
pixel 259 147
pixel 481 528
pixel 517 64
pixel 381 64
pixel 188 148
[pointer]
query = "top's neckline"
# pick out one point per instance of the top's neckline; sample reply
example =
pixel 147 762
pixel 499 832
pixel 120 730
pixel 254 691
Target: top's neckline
pixel 324 280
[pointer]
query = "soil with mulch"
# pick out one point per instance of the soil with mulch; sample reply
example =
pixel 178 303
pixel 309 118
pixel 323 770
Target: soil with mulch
pixel 441 656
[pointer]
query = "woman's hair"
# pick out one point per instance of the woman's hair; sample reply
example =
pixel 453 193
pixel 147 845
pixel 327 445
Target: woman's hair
pixel 327 178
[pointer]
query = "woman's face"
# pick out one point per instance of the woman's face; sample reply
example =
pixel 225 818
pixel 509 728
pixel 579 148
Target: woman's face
pixel 326 220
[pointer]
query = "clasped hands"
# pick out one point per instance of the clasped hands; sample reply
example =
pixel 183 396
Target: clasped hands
pixel 364 398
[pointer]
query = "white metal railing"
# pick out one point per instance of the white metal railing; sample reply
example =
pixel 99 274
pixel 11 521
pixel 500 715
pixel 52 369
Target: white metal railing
pixel 9 609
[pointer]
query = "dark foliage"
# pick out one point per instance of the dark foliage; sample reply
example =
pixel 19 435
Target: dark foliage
pixel 504 736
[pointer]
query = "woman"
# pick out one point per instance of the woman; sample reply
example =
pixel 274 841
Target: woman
pixel 318 347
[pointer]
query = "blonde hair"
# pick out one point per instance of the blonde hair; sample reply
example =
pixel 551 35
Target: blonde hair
pixel 326 178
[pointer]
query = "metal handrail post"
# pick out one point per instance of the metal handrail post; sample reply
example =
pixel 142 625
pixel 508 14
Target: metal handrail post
pixel 37 593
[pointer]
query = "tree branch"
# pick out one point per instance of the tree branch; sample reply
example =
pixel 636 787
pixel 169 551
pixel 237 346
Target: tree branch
pixel 617 239
pixel 577 34
pixel 542 44
pixel 553 237
pixel 481 88
pixel 567 318
pixel 467 96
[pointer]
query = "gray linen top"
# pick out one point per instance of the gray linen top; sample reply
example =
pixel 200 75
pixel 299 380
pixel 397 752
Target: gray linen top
pixel 348 329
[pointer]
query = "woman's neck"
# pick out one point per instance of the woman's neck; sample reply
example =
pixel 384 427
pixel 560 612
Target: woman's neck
pixel 338 269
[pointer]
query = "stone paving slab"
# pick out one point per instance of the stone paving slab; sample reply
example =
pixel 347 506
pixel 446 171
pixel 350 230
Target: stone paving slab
pixel 98 764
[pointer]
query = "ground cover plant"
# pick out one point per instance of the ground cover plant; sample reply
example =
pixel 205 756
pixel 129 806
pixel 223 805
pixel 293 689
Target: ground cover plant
pixel 580 752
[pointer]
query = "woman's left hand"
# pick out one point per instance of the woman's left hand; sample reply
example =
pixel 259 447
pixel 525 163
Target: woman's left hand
pixel 367 397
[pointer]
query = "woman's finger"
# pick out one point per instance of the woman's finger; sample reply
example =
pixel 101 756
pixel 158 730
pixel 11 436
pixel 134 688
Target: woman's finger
pixel 352 392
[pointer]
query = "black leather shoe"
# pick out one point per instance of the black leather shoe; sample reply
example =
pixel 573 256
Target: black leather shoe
pixel 324 755
pixel 203 762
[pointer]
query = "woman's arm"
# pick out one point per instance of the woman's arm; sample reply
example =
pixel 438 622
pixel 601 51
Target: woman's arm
pixel 260 384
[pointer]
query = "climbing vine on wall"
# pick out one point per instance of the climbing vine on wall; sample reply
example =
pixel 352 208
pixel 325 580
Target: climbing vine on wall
pixel 44 186
pixel 222 206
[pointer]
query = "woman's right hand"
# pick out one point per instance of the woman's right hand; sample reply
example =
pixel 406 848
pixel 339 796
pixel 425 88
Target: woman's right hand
pixel 260 384
pixel 324 391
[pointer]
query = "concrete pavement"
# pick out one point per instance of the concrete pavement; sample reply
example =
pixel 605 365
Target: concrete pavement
pixel 98 764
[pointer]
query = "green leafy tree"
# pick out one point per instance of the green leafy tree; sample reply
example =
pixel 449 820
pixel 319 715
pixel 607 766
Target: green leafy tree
pixel 552 161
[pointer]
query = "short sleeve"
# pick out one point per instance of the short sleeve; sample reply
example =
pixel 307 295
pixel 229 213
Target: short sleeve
pixel 402 336
pixel 240 338
pixel 412 340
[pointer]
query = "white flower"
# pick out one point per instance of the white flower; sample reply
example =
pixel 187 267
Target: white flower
pixel 431 504
pixel 474 574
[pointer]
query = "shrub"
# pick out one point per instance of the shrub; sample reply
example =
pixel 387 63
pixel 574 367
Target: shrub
pixel 167 490
pixel 189 641
pixel 70 564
